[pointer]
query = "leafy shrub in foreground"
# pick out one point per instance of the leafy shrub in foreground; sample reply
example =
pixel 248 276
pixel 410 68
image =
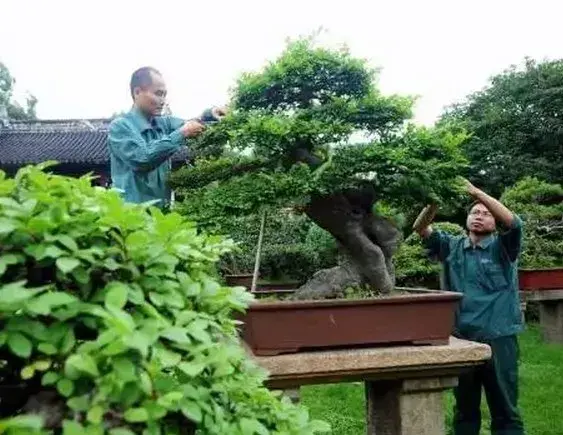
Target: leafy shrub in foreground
pixel 112 321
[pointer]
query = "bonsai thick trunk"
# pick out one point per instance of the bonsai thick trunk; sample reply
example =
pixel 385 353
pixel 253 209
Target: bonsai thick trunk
pixel 368 243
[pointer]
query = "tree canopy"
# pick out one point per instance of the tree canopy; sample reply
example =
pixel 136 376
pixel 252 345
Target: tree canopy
pixel 313 122
pixel 515 126
pixel 312 131
pixel 13 108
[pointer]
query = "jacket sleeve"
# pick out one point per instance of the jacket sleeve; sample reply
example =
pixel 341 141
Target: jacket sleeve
pixel 128 144
pixel 438 245
pixel 511 239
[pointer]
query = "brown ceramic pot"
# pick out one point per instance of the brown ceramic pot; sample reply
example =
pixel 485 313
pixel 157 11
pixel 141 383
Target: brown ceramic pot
pixel 541 279
pixel 419 317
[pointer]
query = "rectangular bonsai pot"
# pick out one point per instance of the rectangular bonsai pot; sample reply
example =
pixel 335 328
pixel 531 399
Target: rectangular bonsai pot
pixel 420 317
pixel 541 279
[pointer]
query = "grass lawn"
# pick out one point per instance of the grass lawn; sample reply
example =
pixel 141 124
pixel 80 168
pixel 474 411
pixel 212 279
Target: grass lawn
pixel 541 394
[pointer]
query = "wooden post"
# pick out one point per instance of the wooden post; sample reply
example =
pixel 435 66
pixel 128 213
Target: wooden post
pixel 258 252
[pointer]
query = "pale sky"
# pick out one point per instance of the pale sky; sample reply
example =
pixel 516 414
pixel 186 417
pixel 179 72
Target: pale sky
pixel 77 56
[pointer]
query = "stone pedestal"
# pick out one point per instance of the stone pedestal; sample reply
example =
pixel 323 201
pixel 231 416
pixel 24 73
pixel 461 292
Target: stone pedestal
pixel 404 385
pixel 551 313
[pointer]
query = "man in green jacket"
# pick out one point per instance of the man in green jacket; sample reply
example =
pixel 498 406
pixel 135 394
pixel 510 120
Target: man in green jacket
pixel 142 141
pixel 483 266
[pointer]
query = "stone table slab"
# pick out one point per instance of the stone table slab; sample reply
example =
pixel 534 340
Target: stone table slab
pixel 287 371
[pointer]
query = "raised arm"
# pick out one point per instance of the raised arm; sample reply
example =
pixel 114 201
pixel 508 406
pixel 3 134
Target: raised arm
pixel 437 242
pixel 511 237
pixel 128 144
pixel 499 211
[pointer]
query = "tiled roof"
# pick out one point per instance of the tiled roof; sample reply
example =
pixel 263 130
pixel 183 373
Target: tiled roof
pixel 66 141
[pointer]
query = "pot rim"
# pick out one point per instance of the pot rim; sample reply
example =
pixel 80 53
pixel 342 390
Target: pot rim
pixel 423 296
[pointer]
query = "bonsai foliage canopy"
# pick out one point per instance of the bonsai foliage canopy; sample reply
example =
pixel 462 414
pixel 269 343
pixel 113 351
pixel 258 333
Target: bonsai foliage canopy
pixel 312 131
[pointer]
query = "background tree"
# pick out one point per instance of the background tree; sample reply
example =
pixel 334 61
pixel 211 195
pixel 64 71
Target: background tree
pixel 13 108
pixel 312 131
pixel 516 126
pixel 540 205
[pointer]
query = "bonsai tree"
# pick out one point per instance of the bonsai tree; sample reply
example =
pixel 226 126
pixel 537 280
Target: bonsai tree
pixel 312 131
pixel 112 321
pixel 540 204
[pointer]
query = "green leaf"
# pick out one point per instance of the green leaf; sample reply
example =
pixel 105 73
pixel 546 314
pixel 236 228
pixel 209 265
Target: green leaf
pixel 8 260
pixel 16 292
pixel 197 329
pixel 140 341
pixel 121 319
pixel 121 431
pixel 116 295
pixel 156 411
pixel 42 365
pixel 176 334
pixel 47 348
pixel 125 369
pixel 6 226
pixel 80 403
pixel 136 295
pixel 81 275
pixel 49 378
pixel 72 428
pixel 192 411
pixel 30 422
pixel 67 242
pixel 68 341
pixel 27 372
pixel 95 414
pixel 170 399
pixel 131 394
pixel 166 357
pixel 111 264
pixel 252 426
pixel 67 264
pixel 191 369
pixel 65 387
pixel 44 303
pixel 146 383
pixel 83 363
pixel 136 415
pixel 19 345
pixel 52 251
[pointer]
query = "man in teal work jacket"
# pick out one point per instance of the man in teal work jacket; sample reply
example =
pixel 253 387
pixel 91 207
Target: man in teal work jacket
pixel 483 266
pixel 142 141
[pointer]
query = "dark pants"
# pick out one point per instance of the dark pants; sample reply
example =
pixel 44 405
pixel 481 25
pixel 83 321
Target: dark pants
pixel 499 378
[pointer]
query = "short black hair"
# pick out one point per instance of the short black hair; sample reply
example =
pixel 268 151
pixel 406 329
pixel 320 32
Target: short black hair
pixel 473 204
pixel 142 77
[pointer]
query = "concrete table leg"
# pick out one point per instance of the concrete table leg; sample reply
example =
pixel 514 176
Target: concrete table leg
pixel 551 320
pixel 409 407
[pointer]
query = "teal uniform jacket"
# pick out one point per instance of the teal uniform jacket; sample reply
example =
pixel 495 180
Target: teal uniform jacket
pixel 487 276
pixel 140 151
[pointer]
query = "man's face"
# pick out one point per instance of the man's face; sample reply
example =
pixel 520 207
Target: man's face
pixel 151 98
pixel 480 221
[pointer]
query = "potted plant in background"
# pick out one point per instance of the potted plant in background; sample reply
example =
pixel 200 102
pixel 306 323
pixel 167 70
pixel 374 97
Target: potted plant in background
pixel 311 131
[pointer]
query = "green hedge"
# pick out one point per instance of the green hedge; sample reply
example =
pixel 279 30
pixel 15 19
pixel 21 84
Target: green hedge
pixel 112 321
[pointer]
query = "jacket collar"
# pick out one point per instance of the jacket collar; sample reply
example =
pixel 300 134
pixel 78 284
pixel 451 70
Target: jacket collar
pixel 483 244
pixel 141 120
